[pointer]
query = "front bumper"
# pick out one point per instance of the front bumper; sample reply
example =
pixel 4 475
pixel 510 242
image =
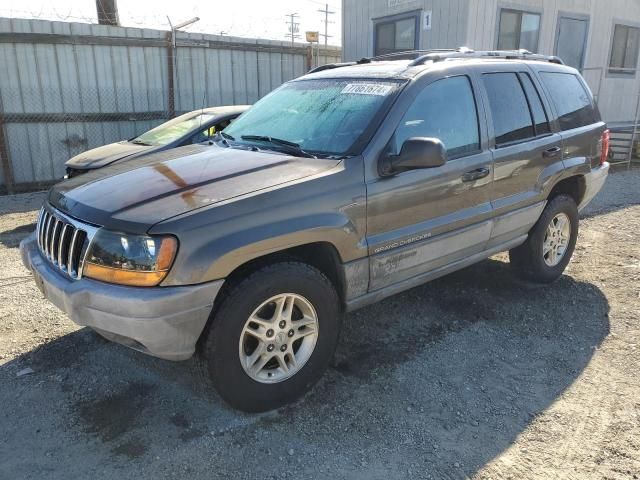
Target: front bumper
pixel 163 321
pixel 594 182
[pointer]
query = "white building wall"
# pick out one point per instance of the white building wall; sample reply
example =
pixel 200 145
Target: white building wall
pixel 474 23
pixel 618 94
pixel 449 23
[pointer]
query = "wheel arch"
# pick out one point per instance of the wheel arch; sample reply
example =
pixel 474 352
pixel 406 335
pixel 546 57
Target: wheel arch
pixel 322 255
pixel 575 186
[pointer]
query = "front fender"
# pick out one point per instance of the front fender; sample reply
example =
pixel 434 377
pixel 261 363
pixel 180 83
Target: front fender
pixel 217 259
pixel 215 242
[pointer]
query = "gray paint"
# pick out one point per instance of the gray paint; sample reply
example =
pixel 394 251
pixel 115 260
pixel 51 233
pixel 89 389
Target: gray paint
pixel 377 295
pixel 164 322
pixel 390 233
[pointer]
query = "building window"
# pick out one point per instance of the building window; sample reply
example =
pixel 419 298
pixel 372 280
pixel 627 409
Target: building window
pixel 624 50
pixel 518 30
pixel 397 34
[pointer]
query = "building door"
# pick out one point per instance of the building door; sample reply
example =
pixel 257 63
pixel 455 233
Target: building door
pixel 571 40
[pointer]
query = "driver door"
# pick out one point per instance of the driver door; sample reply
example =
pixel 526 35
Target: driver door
pixel 421 220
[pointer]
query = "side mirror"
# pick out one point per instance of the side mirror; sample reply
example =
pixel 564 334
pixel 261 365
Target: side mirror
pixel 416 152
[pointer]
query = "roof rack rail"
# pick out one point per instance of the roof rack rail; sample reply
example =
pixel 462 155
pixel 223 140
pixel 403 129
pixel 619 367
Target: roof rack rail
pixel 329 66
pixel 420 57
pixel 405 55
pixel 469 53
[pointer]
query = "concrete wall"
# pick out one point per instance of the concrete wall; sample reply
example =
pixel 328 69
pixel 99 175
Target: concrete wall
pixel 67 87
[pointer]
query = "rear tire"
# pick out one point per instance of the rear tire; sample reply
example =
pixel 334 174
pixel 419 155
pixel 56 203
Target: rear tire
pixel 287 316
pixel 548 249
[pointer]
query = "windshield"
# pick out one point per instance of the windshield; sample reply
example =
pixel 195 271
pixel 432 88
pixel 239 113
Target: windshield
pixel 322 117
pixel 174 129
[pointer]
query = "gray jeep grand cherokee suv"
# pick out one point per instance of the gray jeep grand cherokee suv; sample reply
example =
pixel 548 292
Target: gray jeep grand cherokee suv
pixel 338 189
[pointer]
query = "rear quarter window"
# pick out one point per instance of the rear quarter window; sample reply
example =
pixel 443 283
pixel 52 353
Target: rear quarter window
pixel 572 101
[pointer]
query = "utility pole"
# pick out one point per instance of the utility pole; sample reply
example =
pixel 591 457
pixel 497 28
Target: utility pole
pixel 107 12
pixel 326 22
pixel 294 27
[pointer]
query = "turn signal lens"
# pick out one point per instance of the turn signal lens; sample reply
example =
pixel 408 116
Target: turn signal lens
pixel 135 260
pixel 123 277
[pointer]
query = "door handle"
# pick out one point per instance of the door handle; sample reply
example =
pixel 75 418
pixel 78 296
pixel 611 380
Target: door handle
pixel 552 152
pixel 476 174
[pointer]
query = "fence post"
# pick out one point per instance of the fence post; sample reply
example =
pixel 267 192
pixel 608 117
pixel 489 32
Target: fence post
pixel 7 170
pixel 309 57
pixel 171 105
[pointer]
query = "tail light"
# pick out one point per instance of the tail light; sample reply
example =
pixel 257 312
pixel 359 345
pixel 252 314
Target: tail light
pixel 604 148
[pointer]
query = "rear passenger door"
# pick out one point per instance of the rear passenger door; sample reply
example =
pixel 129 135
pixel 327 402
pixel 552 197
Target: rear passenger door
pixel 524 149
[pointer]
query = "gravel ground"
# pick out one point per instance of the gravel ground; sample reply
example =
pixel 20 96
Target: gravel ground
pixel 473 375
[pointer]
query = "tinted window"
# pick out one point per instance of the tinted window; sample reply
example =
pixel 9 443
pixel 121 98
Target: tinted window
pixel 624 50
pixel 509 109
pixel 572 101
pixel 445 110
pixel 540 119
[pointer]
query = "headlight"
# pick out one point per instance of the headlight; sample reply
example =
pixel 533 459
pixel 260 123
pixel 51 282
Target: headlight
pixel 136 260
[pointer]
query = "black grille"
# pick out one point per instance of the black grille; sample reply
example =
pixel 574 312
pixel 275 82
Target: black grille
pixel 61 242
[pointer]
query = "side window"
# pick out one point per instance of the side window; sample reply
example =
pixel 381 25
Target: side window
pixel 445 109
pixel 540 120
pixel 509 108
pixel 200 137
pixel 572 101
pixel 624 50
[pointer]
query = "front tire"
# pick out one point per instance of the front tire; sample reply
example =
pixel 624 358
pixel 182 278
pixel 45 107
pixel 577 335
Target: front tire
pixel 273 336
pixel 548 249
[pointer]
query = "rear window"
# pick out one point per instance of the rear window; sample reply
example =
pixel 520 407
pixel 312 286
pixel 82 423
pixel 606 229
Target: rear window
pixel 572 101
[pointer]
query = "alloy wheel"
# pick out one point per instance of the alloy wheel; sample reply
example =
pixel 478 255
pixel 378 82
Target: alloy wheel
pixel 278 338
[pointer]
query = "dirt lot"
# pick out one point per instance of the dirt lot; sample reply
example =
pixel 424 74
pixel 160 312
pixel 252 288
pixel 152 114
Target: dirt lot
pixel 474 375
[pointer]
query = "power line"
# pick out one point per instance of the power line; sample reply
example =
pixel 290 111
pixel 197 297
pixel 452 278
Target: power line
pixel 326 12
pixel 294 27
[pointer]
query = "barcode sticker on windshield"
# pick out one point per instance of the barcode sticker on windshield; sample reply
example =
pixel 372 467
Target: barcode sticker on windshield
pixel 367 89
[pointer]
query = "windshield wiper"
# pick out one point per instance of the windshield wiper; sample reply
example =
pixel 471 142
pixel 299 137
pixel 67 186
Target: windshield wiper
pixel 227 136
pixel 140 142
pixel 292 147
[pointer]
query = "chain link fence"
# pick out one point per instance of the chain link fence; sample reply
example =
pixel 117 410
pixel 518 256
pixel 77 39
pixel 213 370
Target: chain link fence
pixel 66 88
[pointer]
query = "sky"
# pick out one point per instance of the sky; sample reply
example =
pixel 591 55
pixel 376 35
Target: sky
pixel 242 18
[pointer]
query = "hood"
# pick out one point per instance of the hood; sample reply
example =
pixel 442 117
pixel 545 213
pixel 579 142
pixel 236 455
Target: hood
pixel 101 156
pixel 133 196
